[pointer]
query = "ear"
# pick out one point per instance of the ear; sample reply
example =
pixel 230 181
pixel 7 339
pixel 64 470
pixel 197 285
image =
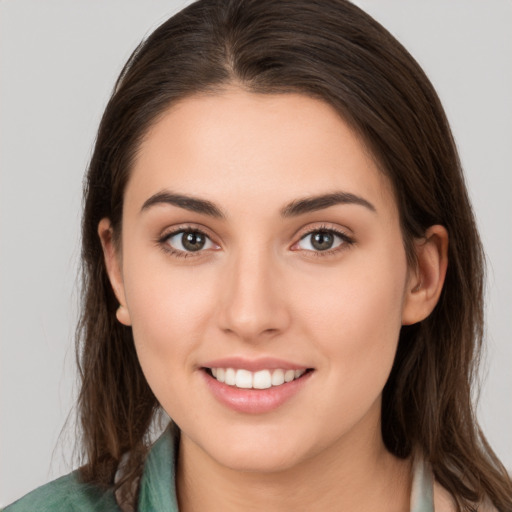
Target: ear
pixel 113 265
pixel 426 280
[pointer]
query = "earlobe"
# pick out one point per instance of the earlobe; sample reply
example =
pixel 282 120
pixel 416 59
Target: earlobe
pixel 123 315
pixel 113 266
pixel 426 280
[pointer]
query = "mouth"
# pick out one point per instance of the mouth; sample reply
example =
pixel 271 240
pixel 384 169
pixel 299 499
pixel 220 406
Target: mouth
pixel 255 386
pixel 261 379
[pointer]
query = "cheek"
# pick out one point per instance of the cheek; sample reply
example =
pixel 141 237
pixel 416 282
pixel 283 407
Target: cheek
pixel 355 318
pixel 170 310
pixel 169 318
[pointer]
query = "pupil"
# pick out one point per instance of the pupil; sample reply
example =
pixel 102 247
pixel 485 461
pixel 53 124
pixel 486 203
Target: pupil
pixel 193 241
pixel 322 240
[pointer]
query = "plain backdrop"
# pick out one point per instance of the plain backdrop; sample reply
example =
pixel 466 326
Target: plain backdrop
pixel 58 63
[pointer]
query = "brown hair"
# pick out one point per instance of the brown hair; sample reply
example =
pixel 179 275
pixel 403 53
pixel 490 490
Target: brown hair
pixel 328 49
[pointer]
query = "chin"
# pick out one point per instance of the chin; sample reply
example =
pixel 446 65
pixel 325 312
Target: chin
pixel 259 453
pixel 259 461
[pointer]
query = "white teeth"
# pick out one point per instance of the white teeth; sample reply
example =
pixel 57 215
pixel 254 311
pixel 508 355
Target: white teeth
pixel 262 379
pixel 277 377
pixel 289 375
pixel 230 378
pixel 243 379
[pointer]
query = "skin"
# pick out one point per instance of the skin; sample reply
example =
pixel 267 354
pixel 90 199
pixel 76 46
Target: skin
pixel 261 289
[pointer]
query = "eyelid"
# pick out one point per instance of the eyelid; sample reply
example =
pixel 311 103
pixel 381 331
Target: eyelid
pixel 179 228
pixel 323 226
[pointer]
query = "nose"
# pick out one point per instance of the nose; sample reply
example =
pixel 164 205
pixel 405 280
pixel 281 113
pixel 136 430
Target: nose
pixel 252 304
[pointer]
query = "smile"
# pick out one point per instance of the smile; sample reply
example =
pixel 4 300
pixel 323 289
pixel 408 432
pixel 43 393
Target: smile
pixel 262 379
pixel 254 386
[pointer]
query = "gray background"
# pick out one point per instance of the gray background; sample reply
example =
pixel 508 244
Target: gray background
pixel 58 62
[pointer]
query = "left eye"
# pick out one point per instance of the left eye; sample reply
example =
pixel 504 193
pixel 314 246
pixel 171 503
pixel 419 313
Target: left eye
pixel 321 240
pixel 189 241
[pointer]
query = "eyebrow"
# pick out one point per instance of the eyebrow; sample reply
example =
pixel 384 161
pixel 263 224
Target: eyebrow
pixel 190 203
pixel 293 209
pixel 320 202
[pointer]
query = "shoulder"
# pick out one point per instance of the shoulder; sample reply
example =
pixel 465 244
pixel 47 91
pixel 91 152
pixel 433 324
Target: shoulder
pixel 68 494
pixel 444 502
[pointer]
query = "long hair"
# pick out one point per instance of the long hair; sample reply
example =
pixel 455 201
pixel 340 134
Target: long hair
pixel 331 50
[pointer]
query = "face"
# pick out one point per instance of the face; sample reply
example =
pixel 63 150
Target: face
pixel 261 247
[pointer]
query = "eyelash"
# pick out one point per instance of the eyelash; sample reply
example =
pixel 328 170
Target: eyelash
pixel 347 241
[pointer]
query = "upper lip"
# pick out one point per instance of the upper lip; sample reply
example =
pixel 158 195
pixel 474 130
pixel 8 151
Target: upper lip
pixel 254 365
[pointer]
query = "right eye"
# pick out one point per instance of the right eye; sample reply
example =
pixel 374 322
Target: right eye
pixel 186 241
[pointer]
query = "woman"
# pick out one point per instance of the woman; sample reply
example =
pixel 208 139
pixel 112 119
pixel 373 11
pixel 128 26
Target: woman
pixel 280 253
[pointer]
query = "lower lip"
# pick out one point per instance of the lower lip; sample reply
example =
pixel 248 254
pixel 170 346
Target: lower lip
pixel 254 401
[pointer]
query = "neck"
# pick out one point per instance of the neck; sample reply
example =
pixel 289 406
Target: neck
pixel 356 474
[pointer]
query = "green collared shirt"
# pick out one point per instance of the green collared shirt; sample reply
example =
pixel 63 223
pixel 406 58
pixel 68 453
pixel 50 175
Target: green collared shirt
pixel 157 489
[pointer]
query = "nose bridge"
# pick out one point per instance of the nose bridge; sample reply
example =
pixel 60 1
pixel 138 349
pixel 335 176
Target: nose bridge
pixel 252 304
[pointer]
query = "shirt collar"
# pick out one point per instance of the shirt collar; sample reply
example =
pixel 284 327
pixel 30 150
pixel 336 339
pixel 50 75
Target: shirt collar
pixel 157 489
pixel 422 493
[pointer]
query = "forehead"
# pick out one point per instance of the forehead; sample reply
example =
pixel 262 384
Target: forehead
pixel 238 144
